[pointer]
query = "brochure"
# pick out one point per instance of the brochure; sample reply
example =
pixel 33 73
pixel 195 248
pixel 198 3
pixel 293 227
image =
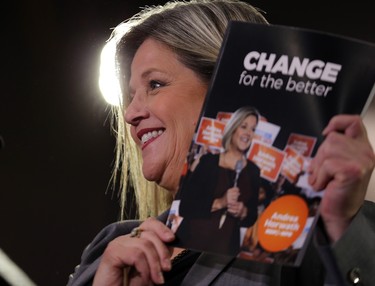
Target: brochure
pixel 262 208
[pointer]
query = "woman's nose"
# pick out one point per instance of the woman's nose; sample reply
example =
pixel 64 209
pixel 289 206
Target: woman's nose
pixel 136 111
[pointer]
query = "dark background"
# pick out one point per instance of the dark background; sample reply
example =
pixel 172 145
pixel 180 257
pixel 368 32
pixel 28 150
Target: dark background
pixel 56 163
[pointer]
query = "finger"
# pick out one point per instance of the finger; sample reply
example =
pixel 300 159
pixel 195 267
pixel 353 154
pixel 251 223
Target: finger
pixel 157 233
pixel 163 232
pixel 136 278
pixel 352 151
pixel 149 254
pixel 334 146
pixel 328 170
pixel 350 125
pixel 234 190
pixel 234 209
pixel 139 274
pixel 161 249
pixel 120 253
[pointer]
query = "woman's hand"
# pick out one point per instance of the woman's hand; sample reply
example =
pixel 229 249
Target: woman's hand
pixel 145 256
pixel 229 198
pixel 232 195
pixel 237 209
pixel 342 166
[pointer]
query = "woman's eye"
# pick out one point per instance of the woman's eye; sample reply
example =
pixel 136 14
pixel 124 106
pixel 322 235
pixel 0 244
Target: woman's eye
pixel 154 84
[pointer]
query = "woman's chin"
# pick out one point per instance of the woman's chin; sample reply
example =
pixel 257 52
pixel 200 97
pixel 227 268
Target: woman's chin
pixel 152 174
pixel 149 176
pixel 169 185
pixel 166 176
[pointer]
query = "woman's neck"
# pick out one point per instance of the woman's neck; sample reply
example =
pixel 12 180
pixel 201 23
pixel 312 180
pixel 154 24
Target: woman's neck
pixel 228 159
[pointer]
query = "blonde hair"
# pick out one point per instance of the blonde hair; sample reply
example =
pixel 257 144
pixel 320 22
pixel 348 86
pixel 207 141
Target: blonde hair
pixel 194 30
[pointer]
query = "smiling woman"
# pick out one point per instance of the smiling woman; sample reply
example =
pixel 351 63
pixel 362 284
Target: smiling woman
pixel 196 51
pixel 164 61
pixel 160 84
pixel 221 195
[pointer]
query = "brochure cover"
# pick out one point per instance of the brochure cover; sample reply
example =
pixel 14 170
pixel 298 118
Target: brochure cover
pixel 244 191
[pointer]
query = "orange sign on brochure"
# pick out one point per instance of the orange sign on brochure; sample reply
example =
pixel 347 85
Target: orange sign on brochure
pixel 210 132
pixel 282 222
pixel 293 164
pixel 269 159
pixel 302 143
pixel 224 116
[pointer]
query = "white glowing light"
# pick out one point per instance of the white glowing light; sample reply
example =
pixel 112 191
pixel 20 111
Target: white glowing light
pixel 108 78
pixel 108 81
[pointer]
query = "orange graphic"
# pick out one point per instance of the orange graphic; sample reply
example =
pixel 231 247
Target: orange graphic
pixel 282 222
pixel 224 116
pixel 302 143
pixel 293 164
pixel 269 159
pixel 210 132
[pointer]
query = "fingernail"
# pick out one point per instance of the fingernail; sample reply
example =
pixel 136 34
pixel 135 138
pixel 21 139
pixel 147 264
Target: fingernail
pixel 167 264
pixel 169 235
pixel 161 278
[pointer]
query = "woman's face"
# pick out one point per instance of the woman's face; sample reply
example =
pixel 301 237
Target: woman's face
pixel 166 100
pixel 243 135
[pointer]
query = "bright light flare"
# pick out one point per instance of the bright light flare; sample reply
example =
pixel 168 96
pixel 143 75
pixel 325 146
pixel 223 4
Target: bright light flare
pixel 108 80
pixel 109 83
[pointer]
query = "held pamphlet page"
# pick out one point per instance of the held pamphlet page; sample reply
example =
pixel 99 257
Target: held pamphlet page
pixel 295 80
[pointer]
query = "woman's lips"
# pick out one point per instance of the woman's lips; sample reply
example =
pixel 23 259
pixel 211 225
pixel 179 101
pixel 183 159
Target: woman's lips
pixel 146 136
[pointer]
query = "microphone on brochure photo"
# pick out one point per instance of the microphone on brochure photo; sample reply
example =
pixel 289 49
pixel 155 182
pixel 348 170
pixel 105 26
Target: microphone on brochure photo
pixel 237 168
